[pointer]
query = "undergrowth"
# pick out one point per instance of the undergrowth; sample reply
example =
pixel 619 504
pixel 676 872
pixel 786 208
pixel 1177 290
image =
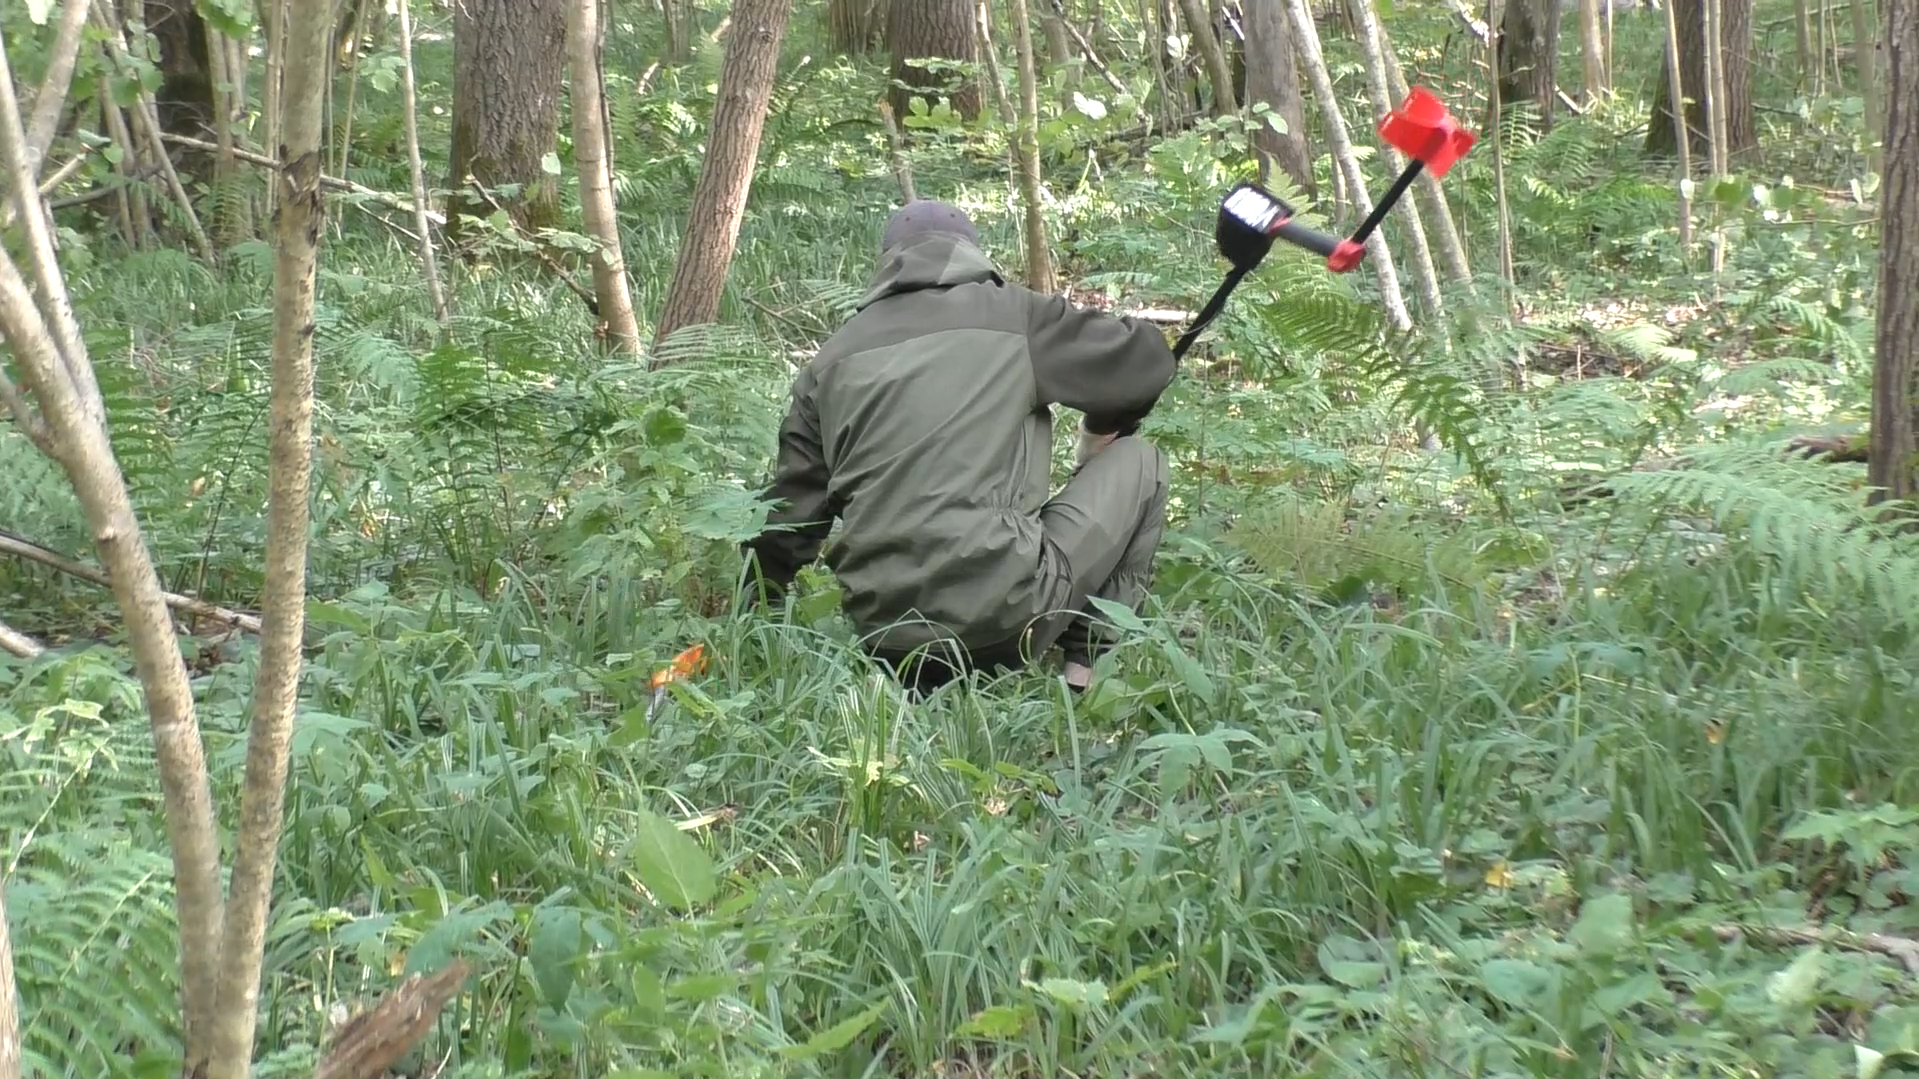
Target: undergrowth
pixel 1579 748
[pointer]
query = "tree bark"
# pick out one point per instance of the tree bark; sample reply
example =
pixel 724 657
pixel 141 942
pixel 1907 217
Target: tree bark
pixel 1427 190
pixel 1272 77
pixel 58 375
pixel 1039 257
pixel 429 264
pixel 1372 48
pixel 1895 382
pixel 1528 48
pixel 1735 29
pixel 1675 91
pixel 1306 41
pixel 184 100
pixel 853 26
pixel 52 98
pixel 932 30
pixel 596 184
pixel 9 997
pixel 989 57
pixel 678 16
pixel 1199 25
pixel 1866 56
pixel 276 681
pixel 726 173
pixel 1592 47
pixel 508 56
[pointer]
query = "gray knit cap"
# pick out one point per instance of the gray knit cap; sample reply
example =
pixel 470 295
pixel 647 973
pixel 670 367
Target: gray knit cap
pixel 923 216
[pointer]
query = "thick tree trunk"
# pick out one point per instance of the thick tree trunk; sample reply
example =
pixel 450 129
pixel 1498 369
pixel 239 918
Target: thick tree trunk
pixel 1735 32
pixel 185 96
pixel 1528 49
pixel 596 184
pixel 1895 383
pixel 678 15
pixel 1039 257
pixel 71 426
pixel 932 30
pixel 1866 56
pixel 508 56
pixel 1199 26
pixel 276 680
pixel 853 26
pixel 726 174
pixel 1272 77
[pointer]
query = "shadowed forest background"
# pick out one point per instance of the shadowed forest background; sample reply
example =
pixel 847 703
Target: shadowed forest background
pixel 1527 687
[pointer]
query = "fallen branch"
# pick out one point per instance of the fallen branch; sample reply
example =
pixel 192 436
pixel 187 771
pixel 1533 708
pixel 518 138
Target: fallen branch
pixel 333 182
pixel 16 643
pixel 21 547
pixel 1845 448
pixel 1903 949
pixel 371 1042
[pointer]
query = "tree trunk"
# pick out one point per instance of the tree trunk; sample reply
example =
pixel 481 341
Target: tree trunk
pixel 929 30
pixel 1272 77
pixel 283 597
pixel 184 99
pixel 1675 91
pixel 726 174
pixel 1802 35
pixel 1199 25
pixel 71 426
pixel 1592 47
pixel 1372 49
pixel 49 103
pixel 1866 56
pixel 9 997
pixel 678 15
pixel 1306 41
pixel 232 217
pixel 1426 190
pixel 507 59
pixel 596 184
pixel 429 264
pixel 853 26
pixel 1735 32
pixel 1039 258
pixel 1528 48
pixel 989 57
pixel 1895 382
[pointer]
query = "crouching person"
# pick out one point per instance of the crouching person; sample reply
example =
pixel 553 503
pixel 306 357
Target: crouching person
pixel 925 426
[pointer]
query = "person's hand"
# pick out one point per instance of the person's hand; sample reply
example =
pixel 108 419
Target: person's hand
pixel 1091 444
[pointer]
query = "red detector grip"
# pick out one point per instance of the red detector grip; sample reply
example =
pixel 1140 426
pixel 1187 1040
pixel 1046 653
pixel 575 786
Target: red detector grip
pixel 1345 256
pixel 1423 130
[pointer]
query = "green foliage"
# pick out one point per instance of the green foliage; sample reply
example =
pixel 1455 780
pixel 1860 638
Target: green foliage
pixel 1579 748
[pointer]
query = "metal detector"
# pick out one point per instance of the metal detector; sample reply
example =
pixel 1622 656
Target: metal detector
pixel 1251 217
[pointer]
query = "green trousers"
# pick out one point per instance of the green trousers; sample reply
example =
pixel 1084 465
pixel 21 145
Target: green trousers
pixel 1100 534
pixel 1101 531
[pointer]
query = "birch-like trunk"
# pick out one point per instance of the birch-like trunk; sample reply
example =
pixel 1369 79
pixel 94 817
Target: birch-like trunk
pixel 1372 50
pixel 1432 197
pixel 1894 451
pixel 70 424
pixel 989 58
pixel 274 17
pixel 1306 40
pixel 1676 87
pixel 283 598
pixel 52 98
pixel 1039 257
pixel 429 263
pixel 9 997
pixel 596 185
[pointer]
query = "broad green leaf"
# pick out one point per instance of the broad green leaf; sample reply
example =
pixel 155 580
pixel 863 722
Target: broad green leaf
pixel 836 1037
pixel 233 18
pixel 671 864
pixel 38 10
pixel 1605 925
pixel 1000 1021
pixel 1870 1061
pixel 550 163
pixel 1355 975
pixel 555 943
pixel 1072 992
pixel 1515 982
pixel 1795 986
pixel 1092 108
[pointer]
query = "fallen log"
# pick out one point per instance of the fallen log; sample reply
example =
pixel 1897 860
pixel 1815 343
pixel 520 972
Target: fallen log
pixel 21 547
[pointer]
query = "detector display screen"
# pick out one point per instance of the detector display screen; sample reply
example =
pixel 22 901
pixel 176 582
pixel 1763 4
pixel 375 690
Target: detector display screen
pixel 1256 210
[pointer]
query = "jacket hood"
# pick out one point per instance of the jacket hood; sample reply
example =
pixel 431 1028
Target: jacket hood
pixel 934 260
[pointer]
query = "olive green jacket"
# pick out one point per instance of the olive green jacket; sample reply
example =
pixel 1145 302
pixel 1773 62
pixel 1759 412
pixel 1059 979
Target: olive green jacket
pixel 925 426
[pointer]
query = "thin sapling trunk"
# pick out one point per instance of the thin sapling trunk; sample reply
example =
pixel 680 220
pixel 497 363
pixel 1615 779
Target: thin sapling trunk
pixel 596 184
pixel 1039 258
